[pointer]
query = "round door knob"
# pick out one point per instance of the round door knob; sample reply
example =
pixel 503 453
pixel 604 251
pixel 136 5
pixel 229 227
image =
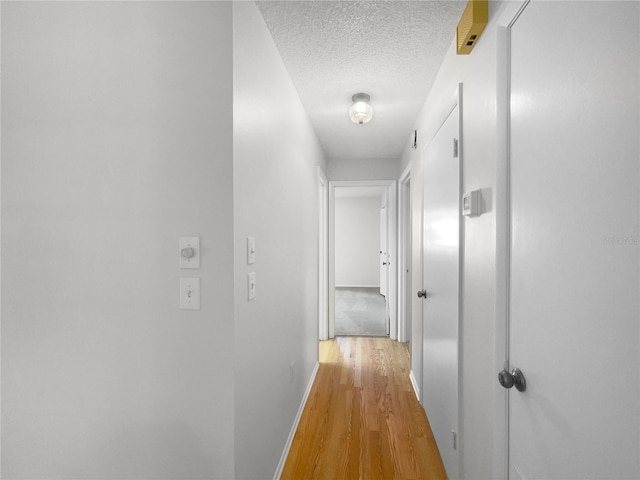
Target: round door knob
pixel 422 294
pixel 515 378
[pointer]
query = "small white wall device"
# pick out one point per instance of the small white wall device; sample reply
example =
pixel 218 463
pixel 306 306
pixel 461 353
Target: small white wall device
pixel 251 250
pixel 471 204
pixel 190 252
pixel 189 294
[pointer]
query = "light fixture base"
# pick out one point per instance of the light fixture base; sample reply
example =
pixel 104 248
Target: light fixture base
pixel 360 97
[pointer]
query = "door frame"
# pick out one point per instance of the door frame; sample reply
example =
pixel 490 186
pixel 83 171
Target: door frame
pixel 323 255
pixel 507 16
pixel 404 255
pixel 392 283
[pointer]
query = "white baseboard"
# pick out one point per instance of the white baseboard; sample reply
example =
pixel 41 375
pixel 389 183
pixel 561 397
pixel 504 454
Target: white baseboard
pixel 294 427
pixel 357 286
pixel 414 383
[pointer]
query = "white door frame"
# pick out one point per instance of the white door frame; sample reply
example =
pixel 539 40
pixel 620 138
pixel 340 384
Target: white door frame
pixel 392 283
pixel 323 255
pixel 404 256
pixel 507 16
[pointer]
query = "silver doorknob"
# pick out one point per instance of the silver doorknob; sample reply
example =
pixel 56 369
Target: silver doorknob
pixel 515 378
pixel 422 294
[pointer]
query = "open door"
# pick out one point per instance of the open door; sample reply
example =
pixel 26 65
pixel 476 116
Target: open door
pixel 573 367
pixel 384 252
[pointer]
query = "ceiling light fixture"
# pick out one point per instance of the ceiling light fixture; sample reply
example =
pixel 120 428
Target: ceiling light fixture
pixel 361 111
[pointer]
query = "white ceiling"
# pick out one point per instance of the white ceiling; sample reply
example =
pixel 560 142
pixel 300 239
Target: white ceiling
pixel 391 50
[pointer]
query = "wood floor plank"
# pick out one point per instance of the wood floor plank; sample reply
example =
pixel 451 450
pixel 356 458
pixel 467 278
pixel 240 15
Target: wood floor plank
pixel 362 420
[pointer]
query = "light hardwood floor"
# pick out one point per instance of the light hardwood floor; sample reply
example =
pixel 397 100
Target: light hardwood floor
pixel 362 419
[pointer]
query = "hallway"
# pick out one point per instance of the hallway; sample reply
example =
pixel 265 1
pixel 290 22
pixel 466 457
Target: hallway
pixel 362 419
pixel 128 127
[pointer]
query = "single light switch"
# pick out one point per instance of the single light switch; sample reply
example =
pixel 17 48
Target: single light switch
pixel 251 250
pixel 251 285
pixel 190 294
pixel 189 250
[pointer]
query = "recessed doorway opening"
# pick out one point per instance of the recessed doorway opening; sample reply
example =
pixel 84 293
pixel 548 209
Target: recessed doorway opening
pixel 363 284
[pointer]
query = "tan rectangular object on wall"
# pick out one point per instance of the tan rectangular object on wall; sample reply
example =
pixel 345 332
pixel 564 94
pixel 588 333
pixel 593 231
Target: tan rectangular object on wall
pixel 471 25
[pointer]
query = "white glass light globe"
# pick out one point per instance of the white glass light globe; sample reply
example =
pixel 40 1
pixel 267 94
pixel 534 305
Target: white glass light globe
pixel 361 111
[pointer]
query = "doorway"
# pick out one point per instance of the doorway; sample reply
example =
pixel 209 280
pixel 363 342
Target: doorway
pixel 355 262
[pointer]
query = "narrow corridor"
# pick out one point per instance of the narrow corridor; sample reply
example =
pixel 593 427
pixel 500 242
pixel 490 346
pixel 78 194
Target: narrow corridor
pixel 362 419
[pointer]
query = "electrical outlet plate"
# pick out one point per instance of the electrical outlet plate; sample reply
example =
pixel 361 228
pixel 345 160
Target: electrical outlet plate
pixel 186 261
pixel 189 294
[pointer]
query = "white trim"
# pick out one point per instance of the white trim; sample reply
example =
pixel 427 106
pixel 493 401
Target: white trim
pixel 414 384
pixel 404 221
pixel 323 255
pixel 461 250
pixel 391 204
pixel 507 16
pixel 357 286
pixel 331 327
pixel 294 427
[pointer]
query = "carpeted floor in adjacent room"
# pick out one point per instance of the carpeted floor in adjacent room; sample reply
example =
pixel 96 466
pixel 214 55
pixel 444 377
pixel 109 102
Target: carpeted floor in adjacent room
pixel 361 311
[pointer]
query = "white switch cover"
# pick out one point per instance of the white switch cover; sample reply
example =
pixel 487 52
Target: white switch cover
pixel 189 294
pixel 251 285
pixel 189 251
pixel 251 250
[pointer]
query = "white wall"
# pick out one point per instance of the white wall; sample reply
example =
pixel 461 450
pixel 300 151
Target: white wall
pixel 116 140
pixel 478 74
pixel 276 154
pixel 357 169
pixel 357 242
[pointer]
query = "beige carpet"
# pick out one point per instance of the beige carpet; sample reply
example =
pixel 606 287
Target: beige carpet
pixel 360 311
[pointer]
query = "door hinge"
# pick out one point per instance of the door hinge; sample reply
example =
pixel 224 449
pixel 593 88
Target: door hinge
pixel 455 439
pixel 455 148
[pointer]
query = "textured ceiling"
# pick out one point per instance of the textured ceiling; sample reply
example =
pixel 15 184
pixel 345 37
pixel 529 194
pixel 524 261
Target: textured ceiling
pixel 389 49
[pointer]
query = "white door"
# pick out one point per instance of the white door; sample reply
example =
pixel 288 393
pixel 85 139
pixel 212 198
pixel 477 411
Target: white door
pixel 441 260
pixel 384 256
pixel 574 285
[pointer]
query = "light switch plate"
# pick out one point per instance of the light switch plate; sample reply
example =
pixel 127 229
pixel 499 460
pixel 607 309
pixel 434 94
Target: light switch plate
pixel 251 250
pixel 190 294
pixel 251 285
pixel 189 246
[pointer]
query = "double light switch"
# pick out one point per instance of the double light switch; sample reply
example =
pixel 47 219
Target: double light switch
pixel 189 249
pixel 251 259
